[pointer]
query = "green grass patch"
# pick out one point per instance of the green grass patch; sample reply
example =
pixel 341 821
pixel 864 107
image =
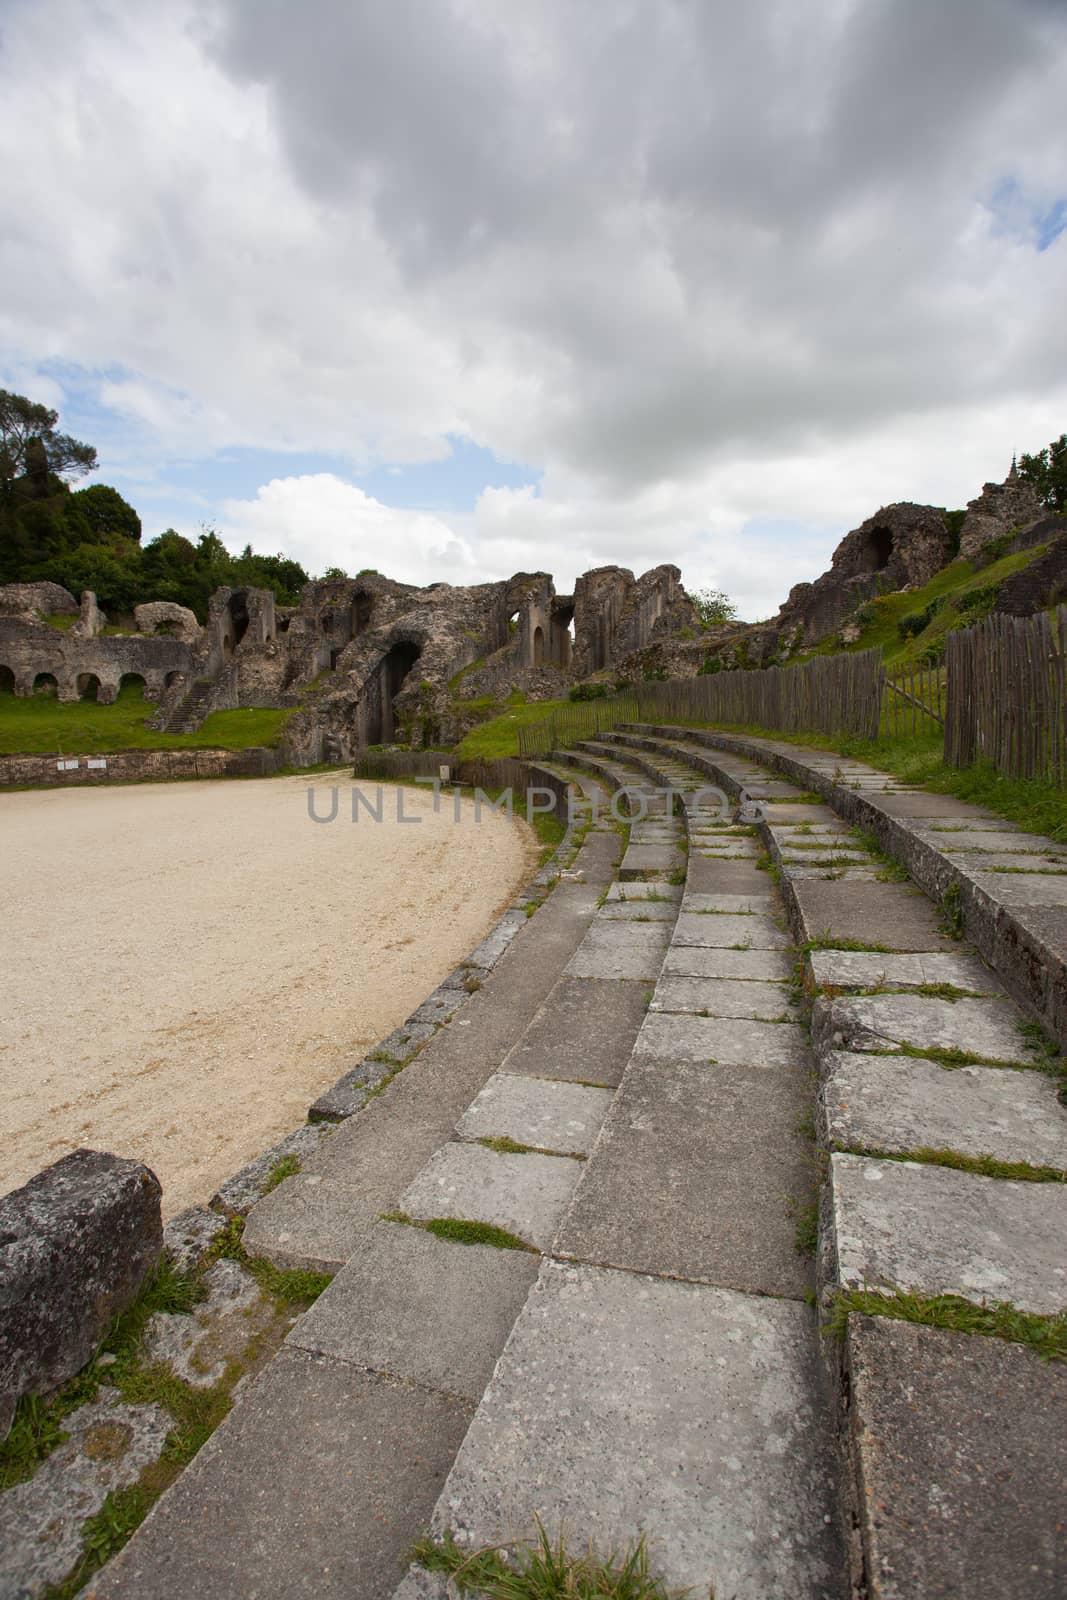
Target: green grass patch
pixel 541 1569
pixel 500 735
pixel 459 1230
pixel 43 725
pixel 981 1166
pixel 1045 1334
pixel 288 1287
pixel 287 1167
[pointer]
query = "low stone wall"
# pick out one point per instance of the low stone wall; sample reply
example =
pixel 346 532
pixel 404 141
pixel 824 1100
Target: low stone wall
pixel 135 766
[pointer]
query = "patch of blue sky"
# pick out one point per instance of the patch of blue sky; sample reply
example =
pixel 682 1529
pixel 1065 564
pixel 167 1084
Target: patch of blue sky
pixel 1017 213
pixel 451 484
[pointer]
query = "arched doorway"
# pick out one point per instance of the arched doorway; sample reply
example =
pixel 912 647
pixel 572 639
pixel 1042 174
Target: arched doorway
pixel 7 680
pixel 173 679
pixel 539 647
pixel 131 685
pixel 45 683
pixel 392 673
pixel 88 686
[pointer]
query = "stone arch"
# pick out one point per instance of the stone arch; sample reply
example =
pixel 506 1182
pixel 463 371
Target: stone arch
pixel 539 646
pixel 46 683
pixel 173 679
pixel 130 682
pixel 88 686
pixel 7 680
pixel 393 671
pixel 878 549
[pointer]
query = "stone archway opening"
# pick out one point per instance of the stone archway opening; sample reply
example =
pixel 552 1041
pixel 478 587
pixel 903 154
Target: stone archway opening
pixel 878 551
pixel 132 685
pixel 393 671
pixel 172 679
pixel 7 680
pixel 88 686
pixel 561 635
pixel 46 683
pixel 539 647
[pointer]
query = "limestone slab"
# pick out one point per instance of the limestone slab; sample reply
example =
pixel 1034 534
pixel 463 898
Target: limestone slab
pixel 642 859
pixel 710 930
pixel 722 1041
pixel 989 1028
pixel 420 1308
pixel 736 904
pixel 644 891
pixel 639 911
pixel 936 1231
pixel 525 1194
pixel 694 1176
pixel 864 969
pixel 900 1103
pixel 584 1032
pixel 945 1433
pixel 105 1447
pixel 620 950
pixel 1023 888
pixel 309 1222
pixel 723 998
pixel 314 1487
pixel 554 1116
pixel 625 1404
pixel 691 961
pixel 891 914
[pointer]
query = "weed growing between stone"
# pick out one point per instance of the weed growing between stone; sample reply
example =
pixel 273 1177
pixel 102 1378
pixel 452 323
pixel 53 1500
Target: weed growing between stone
pixel 1045 1334
pixel 981 1166
pixel 286 1167
pixel 459 1230
pixel 503 1146
pixel 544 1570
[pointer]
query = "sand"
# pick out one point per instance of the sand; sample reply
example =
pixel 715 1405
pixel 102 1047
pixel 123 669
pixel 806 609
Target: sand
pixel 186 966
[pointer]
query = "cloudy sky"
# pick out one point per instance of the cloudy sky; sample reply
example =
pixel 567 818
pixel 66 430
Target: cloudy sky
pixel 455 288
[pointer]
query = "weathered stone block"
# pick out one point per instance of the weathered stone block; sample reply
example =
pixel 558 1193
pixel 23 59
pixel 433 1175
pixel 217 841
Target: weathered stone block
pixel 76 1244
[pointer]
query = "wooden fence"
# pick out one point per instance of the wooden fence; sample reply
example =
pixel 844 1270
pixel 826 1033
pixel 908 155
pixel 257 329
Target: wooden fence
pixel 1007 695
pixel 914 701
pixel 828 694
pixel 583 719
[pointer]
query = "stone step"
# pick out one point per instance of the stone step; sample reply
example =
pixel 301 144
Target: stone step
pixel 942 1433
pixel 627 1404
pixel 902 1104
pixel 933 1231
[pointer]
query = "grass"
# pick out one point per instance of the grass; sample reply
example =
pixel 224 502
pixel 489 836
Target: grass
pixel 43 725
pixel 286 1167
pixel 500 735
pixel 982 1166
pixel 1045 1334
pixel 194 1412
pixel 960 595
pixel 460 1230
pixel 543 1569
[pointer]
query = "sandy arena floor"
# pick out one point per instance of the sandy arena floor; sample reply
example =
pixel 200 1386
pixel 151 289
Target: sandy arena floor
pixel 185 966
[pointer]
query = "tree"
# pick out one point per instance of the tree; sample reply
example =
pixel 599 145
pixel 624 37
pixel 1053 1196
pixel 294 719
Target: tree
pixel 1047 471
pixel 29 443
pixel 104 512
pixel 714 606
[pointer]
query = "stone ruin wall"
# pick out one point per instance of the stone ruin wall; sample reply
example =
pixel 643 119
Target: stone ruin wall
pixel 361 661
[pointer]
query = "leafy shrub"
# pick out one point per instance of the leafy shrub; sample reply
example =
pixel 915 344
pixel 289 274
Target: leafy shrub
pixel 589 691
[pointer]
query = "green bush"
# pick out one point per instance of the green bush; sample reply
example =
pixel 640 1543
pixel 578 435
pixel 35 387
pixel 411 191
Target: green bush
pixel 709 665
pixel 589 691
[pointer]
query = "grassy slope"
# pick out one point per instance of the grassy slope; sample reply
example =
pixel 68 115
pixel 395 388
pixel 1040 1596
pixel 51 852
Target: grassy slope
pixel 954 583
pixel 500 735
pixel 42 725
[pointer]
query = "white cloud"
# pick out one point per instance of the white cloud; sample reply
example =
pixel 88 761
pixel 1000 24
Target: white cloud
pixel 706 269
